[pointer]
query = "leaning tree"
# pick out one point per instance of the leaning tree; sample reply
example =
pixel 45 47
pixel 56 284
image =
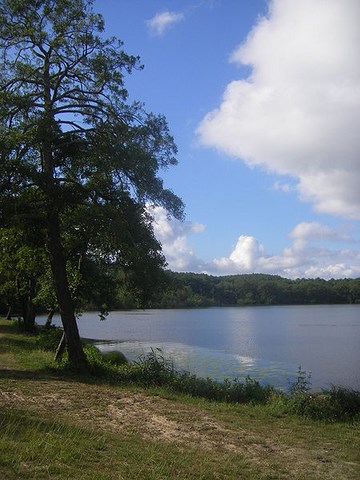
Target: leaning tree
pixel 68 135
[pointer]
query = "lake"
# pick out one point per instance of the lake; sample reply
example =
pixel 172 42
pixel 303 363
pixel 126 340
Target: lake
pixel 267 343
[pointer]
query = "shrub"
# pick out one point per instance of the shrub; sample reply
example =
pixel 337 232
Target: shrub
pixel 103 364
pixel 93 354
pixel 336 404
pixel 345 403
pixel 229 390
pixel 114 357
pixel 49 338
pixel 155 369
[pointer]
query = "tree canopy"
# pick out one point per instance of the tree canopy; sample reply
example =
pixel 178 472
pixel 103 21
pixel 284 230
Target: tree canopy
pixel 77 159
pixel 200 290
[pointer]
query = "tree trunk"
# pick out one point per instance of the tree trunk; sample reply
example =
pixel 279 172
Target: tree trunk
pixel 49 318
pixel 30 314
pixel 27 323
pixel 60 348
pixel 47 127
pixel 29 319
pixel 9 312
pixel 77 357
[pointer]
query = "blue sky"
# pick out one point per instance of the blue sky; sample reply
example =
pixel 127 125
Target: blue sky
pixel 263 100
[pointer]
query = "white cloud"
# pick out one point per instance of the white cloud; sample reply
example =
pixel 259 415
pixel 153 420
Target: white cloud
pixel 283 187
pixel 244 258
pixel 303 259
pixel 162 21
pixel 308 231
pixel 310 255
pixel 172 235
pixel 298 113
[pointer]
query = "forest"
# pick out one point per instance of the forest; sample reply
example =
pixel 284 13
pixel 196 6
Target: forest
pixel 200 290
pixel 111 288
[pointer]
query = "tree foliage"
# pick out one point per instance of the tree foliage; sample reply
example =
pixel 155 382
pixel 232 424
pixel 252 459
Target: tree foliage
pixel 200 290
pixel 21 266
pixel 75 155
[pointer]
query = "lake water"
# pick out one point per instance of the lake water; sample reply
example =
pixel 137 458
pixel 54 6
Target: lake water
pixel 267 343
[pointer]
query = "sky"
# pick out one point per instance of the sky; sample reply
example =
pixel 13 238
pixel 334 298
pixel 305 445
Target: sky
pixel 263 100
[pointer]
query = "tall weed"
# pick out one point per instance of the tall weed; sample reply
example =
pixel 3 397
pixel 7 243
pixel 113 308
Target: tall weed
pixel 336 404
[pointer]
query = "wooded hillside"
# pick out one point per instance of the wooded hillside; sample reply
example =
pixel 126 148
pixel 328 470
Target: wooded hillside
pixel 196 290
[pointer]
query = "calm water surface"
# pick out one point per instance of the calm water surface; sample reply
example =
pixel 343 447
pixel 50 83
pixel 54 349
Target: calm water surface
pixel 267 343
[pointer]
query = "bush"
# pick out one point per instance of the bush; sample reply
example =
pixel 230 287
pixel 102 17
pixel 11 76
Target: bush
pixel 337 404
pixel 93 354
pixel 114 357
pixel 155 369
pixel 104 364
pixel 49 338
pixel 229 390
pixel 345 403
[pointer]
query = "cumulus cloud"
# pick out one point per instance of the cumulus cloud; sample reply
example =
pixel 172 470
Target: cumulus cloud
pixel 309 255
pixel 162 21
pixel 298 113
pixel 172 235
pixel 316 250
pixel 244 258
pixel 308 231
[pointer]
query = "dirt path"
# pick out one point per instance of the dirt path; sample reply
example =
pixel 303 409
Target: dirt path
pixel 152 417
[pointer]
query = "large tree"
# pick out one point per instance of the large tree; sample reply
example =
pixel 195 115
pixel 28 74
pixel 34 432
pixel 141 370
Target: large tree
pixel 69 136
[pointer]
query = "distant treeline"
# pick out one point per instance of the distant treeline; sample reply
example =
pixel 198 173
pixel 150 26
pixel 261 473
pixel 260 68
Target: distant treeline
pixel 180 290
pixel 200 290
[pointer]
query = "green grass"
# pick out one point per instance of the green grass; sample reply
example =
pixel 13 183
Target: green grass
pixel 33 448
pixel 128 422
pixel 336 404
pixel 44 448
pixel 153 369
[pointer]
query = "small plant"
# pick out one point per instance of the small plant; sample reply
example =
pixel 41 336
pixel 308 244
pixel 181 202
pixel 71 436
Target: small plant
pixel 302 384
pixel 155 367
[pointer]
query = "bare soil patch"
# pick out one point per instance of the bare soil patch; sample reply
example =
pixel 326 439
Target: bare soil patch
pixel 157 419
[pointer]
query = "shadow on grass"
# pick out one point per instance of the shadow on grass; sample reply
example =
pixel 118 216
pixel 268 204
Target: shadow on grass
pixel 9 343
pixel 49 373
pixel 14 374
pixel 8 327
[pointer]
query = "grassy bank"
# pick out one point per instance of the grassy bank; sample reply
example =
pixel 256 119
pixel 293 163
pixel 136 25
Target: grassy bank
pixel 109 425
